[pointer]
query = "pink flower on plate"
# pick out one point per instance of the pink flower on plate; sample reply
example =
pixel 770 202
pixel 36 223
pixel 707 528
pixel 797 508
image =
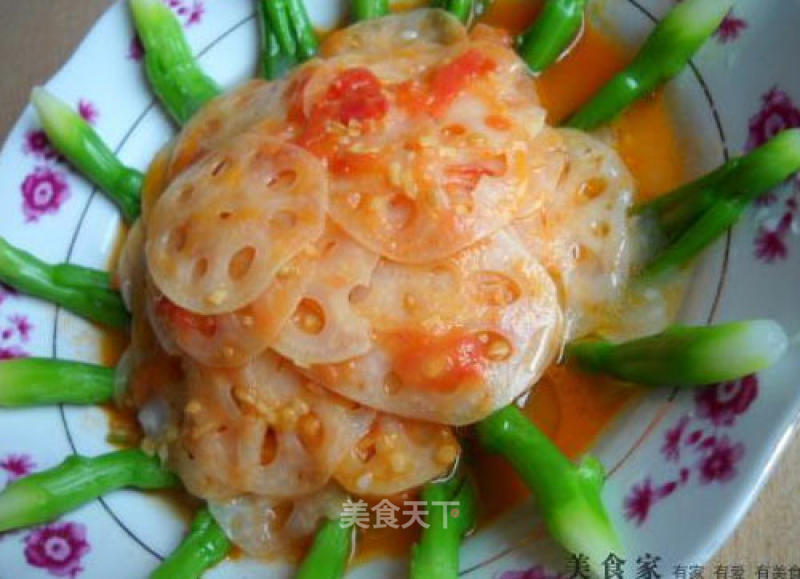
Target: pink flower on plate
pixel 671 449
pixel 722 403
pixel 195 13
pixel 58 548
pixel 731 28
pixel 778 112
pixel 37 144
pixel 43 192
pixel 88 111
pixel 771 243
pixel 135 49
pixel 639 502
pixel 719 463
pixel 22 325
pixel 12 352
pixel 17 466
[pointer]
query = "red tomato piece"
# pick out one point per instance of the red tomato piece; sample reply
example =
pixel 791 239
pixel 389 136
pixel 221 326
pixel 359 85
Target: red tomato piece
pixel 441 363
pixel 182 319
pixel 449 80
pixel 356 95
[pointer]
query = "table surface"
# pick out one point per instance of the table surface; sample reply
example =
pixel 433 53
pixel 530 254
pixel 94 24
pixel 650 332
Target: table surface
pixel 36 36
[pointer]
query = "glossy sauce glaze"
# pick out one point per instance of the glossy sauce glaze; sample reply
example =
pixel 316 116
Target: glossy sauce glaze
pixel 572 408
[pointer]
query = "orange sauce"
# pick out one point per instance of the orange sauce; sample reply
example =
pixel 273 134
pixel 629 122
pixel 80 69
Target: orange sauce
pixel 512 15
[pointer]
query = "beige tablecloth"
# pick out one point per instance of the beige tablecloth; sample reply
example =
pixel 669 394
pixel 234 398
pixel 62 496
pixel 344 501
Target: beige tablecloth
pixel 36 36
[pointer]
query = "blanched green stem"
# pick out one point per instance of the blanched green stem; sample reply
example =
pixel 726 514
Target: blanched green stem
pixel 665 53
pixel 275 63
pixel 46 495
pixel 82 146
pixel 695 215
pixel 329 554
pixel 368 9
pixel 568 495
pixel 552 33
pixel 42 381
pixel 307 44
pixel 205 546
pixel 717 219
pixel 436 554
pixel 172 70
pixel 461 9
pixel 287 36
pixel 82 291
pixel 686 356
pixel 745 177
pixel 278 13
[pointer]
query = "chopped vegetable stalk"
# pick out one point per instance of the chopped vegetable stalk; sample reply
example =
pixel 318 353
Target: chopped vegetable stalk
pixel 744 177
pixel 461 9
pixel 329 553
pixel 74 138
pixel 275 63
pixel 174 75
pixel 40 381
pixel 568 495
pixel 307 43
pixel 83 291
pixel 722 215
pixel 368 9
pixel 452 510
pixel 205 546
pixel 46 495
pixel 693 216
pixel 556 28
pixel 287 36
pixel 686 356
pixel 665 53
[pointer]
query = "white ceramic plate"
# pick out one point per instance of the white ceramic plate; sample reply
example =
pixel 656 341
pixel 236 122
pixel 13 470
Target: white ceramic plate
pixel 684 467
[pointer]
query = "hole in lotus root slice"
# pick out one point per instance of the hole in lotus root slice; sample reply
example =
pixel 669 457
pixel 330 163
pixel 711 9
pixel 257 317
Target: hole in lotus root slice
pixel 266 527
pixel 397 455
pixel 251 431
pixel 209 265
pixel 486 326
pixel 228 340
pixel 326 327
pixel 581 231
pixel 255 103
pixel 396 33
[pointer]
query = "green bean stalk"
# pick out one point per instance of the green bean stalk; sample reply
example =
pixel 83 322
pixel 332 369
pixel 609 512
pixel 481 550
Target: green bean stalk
pixel 47 495
pixel 452 513
pixel 686 356
pixel 693 216
pixel 74 138
pixel 557 27
pixel 174 75
pixel 275 63
pixel 569 496
pixel 329 553
pixel 368 9
pixel 205 546
pixel 287 36
pixel 81 290
pixel 665 53
pixel 41 381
